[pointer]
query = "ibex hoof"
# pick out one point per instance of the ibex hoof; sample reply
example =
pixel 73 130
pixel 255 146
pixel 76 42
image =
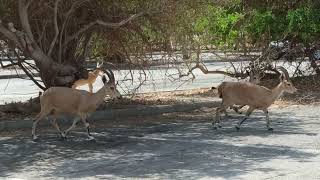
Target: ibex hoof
pixel 219 126
pixel 237 128
pixel 270 129
pixel 35 138
pixel 63 136
pixel 91 138
pixel 214 127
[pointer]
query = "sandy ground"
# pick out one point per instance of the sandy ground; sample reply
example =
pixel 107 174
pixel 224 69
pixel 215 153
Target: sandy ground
pixel 173 146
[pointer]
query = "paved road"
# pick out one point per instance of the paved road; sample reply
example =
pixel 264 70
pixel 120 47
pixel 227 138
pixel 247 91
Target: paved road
pixel 157 80
pixel 177 150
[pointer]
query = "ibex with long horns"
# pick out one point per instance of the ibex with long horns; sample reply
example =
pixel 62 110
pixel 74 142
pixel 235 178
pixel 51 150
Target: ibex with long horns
pixel 255 96
pixel 57 100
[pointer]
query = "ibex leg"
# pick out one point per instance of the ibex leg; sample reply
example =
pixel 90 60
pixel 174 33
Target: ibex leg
pixel 266 112
pixel 74 124
pixel 55 124
pixel 248 113
pixel 87 125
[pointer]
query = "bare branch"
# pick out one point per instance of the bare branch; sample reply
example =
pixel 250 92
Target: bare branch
pixel 26 72
pixel 74 6
pixel 201 66
pixel 32 66
pixel 56 28
pixel 206 71
pixel 121 23
pixel 28 4
pixel 42 33
pixel 225 59
pixel 105 24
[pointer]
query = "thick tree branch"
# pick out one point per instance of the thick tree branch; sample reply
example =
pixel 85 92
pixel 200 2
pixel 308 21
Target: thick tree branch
pixel 23 13
pixel 56 28
pixel 10 35
pixel 31 46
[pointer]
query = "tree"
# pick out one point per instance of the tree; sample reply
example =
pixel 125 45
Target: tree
pixel 57 34
pixel 62 35
pixel 248 25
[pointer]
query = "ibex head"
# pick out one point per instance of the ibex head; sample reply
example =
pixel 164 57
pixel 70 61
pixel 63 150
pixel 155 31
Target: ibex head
pixel 98 70
pixel 111 87
pixel 285 82
pixel 255 77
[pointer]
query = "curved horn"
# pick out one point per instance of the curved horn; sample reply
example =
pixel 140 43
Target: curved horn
pixel 284 71
pixel 110 75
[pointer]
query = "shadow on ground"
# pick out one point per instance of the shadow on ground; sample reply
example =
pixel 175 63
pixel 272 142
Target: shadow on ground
pixel 167 151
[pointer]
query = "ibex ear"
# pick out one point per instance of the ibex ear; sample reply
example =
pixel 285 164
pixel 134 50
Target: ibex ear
pixel 99 65
pixel 104 79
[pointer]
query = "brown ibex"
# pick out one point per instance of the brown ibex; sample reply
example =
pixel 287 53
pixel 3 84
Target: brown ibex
pixel 57 100
pixel 254 77
pixel 255 96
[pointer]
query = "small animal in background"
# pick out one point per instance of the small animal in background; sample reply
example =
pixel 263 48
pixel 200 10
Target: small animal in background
pixel 92 76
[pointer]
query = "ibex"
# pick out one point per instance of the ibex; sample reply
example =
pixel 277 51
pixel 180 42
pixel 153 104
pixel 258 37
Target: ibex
pixel 255 96
pixel 254 77
pixel 92 76
pixel 57 100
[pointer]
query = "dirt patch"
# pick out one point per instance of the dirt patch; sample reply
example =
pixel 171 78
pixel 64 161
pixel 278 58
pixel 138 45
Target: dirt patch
pixel 32 106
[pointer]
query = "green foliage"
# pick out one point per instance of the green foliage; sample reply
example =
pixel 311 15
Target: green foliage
pixel 217 24
pixel 304 23
pixel 258 22
pixel 220 23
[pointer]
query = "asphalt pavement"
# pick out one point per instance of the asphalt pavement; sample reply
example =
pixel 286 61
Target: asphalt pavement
pixel 174 150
